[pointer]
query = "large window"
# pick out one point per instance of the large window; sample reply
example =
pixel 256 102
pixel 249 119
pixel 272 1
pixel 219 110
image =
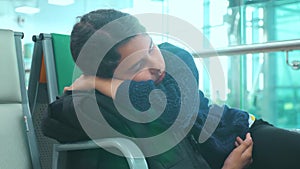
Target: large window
pixel 261 83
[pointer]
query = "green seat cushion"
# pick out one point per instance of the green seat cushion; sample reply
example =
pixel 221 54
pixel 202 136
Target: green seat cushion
pixel 66 70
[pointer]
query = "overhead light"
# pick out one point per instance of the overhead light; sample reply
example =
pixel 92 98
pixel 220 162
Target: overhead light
pixel 61 2
pixel 27 10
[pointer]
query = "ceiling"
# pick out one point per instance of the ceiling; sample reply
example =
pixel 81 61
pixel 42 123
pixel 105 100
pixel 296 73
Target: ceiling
pixel 7 6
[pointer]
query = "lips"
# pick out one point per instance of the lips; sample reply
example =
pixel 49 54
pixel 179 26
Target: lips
pixel 160 78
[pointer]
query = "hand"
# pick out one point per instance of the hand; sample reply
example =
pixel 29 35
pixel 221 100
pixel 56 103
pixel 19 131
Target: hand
pixel 241 156
pixel 82 83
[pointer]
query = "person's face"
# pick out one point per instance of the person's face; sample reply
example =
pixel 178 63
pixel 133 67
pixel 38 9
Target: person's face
pixel 141 60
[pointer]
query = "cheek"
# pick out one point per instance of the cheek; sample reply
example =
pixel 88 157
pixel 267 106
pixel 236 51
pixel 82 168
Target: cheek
pixel 142 76
pixel 160 60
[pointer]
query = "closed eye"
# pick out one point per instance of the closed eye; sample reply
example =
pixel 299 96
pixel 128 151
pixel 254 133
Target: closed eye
pixel 137 66
pixel 151 46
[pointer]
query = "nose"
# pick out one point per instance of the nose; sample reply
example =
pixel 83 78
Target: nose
pixel 156 64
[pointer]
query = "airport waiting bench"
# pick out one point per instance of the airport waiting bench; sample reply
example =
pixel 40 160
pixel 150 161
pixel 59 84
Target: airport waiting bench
pixel 18 147
pixel 52 69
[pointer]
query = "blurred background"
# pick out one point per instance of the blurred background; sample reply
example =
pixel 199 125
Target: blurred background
pixel 260 83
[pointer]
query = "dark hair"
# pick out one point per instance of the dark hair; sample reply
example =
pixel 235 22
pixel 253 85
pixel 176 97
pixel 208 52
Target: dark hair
pixel 89 24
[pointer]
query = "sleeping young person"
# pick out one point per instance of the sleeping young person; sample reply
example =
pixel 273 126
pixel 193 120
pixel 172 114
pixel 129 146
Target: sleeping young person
pixel 137 66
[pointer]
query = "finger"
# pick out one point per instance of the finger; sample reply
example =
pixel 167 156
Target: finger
pixel 236 144
pixel 244 145
pixel 67 88
pixel 248 151
pixel 239 140
pixel 247 155
pixel 248 138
